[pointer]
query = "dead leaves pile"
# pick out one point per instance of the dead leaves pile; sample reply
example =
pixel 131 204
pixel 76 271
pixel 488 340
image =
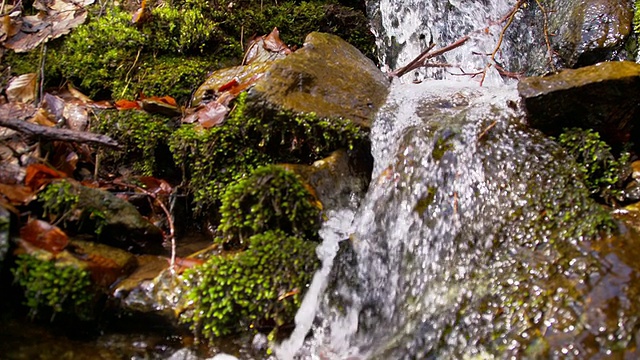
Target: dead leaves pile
pixel 54 18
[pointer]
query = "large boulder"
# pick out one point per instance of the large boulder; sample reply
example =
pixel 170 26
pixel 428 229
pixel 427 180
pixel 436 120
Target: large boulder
pixel 598 97
pixel 328 77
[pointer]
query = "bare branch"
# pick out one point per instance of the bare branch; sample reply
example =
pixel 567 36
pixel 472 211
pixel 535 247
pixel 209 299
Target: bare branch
pixel 15 120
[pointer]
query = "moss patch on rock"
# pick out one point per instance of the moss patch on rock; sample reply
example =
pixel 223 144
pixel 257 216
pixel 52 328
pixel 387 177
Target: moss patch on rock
pixel 54 288
pixel 261 286
pixel 171 52
pixel 603 172
pixel 271 198
pixel 213 158
pixel 143 138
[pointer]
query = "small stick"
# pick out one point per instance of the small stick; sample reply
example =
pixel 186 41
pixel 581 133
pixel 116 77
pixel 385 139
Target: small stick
pixel 53 133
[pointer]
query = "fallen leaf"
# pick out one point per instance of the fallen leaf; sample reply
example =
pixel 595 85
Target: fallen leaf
pixel 17 194
pixel 155 186
pixel 22 88
pixel 39 175
pixel 165 105
pixel 209 115
pixel 44 235
pixel 273 43
pixel 231 84
pixel 78 95
pixel 55 18
pixel 54 106
pixel 123 104
pixel 42 117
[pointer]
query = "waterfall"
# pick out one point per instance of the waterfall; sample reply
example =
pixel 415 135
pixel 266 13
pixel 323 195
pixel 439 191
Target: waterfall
pixel 387 225
pixel 405 28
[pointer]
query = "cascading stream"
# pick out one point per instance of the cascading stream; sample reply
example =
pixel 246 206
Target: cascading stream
pixel 386 224
pixel 468 218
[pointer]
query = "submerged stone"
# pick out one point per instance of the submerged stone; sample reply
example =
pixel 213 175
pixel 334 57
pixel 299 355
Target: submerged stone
pixel 596 97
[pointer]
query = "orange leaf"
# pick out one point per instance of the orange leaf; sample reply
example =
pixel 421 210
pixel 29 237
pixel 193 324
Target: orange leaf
pixel 44 235
pixel 123 104
pixel 38 175
pixel 231 84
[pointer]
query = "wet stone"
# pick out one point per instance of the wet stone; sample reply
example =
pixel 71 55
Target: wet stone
pixel 595 97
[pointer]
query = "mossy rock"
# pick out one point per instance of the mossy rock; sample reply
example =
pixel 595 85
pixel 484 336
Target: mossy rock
pixel 261 286
pixel 328 77
pixel 97 212
pixel 271 198
pixel 52 288
pixel 214 158
pixel 603 172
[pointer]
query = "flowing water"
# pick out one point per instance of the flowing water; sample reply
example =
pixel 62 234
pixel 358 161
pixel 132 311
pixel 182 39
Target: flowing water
pixel 455 235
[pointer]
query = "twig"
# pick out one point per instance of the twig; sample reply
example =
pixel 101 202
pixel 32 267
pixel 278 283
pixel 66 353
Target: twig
pixel 509 20
pixel 172 231
pixel 486 130
pixel 18 123
pixel 420 60
pixel 41 88
pixel 545 30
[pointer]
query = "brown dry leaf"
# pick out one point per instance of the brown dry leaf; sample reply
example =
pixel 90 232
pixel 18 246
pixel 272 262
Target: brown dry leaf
pixel 76 116
pixel 56 18
pixel 17 194
pixel 155 186
pixel 10 25
pixel 22 89
pixel 209 115
pixel 42 117
pixel 273 43
pixel 54 106
pixel 44 235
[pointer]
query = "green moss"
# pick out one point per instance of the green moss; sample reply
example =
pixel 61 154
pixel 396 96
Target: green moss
pixel 602 171
pixel 142 137
pixel 54 287
pixel 215 157
pixel 262 285
pixel 61 203
pixel 271 198
pixel 110 57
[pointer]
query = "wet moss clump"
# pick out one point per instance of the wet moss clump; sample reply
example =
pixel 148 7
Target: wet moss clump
pixel 214 158
pixel 143 139
pixel 261 286
pixel 54 288
pixel 271 198
pixel 603 172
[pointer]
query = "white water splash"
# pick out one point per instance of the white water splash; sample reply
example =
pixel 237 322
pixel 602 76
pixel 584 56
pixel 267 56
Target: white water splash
pixel 409 26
